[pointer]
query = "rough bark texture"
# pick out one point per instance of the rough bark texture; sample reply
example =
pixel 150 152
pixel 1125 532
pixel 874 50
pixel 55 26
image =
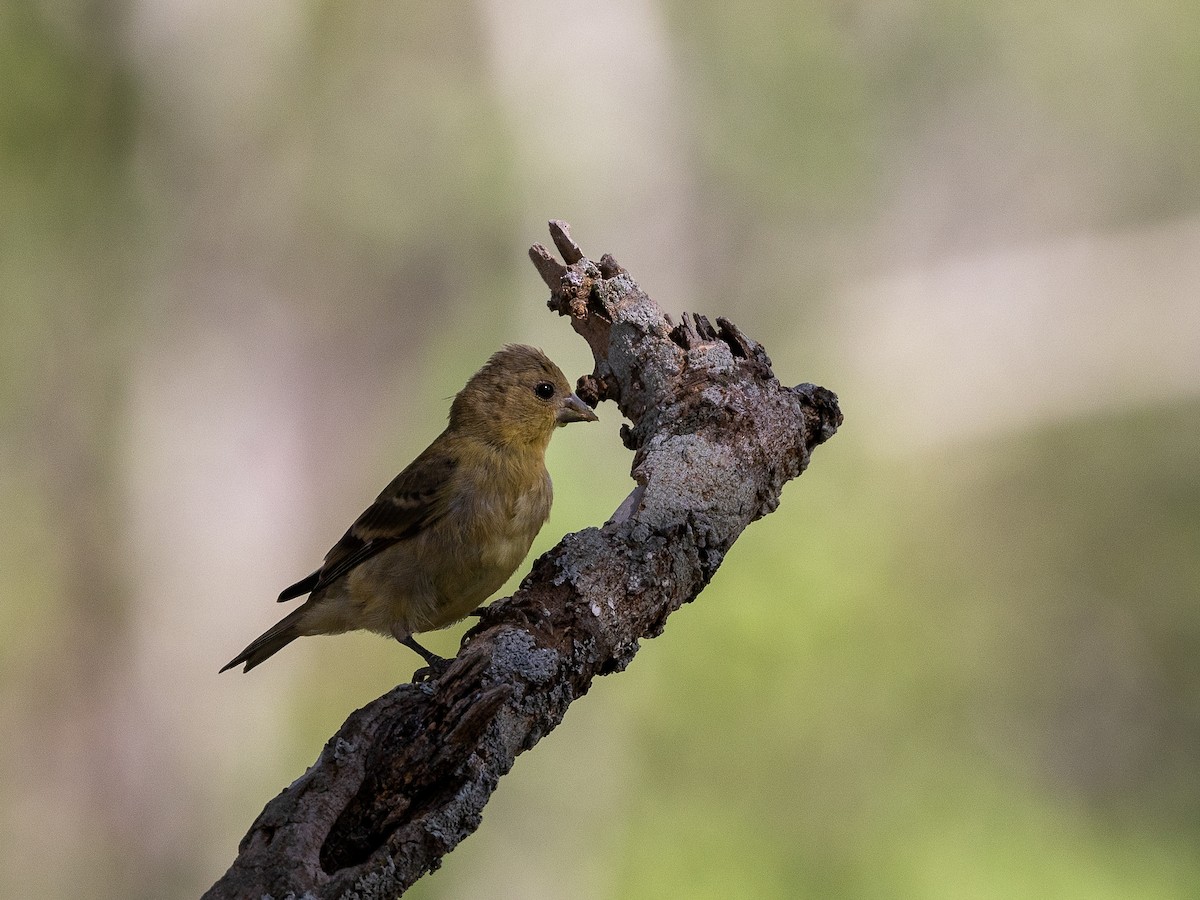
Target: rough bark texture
pixel 715 437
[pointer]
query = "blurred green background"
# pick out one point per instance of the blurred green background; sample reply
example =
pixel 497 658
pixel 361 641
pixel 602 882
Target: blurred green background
pixel 248 250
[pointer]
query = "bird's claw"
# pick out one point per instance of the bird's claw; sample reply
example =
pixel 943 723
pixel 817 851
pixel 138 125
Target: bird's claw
pixel 435 668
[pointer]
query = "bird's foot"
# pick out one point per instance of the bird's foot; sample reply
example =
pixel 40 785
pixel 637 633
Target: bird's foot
pixel 434 664
pixel 436 668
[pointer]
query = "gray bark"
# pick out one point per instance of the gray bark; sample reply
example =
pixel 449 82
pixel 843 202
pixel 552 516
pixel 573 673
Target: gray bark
pixel 715 436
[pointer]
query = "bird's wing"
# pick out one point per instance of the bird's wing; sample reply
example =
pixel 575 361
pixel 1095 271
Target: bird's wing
pixel 415 499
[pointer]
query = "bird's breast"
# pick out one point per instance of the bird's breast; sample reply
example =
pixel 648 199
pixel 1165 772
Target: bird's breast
pixel 511 525
pixel 489 535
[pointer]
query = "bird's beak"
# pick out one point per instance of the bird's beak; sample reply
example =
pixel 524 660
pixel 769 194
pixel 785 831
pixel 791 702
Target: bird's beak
pixel 574 410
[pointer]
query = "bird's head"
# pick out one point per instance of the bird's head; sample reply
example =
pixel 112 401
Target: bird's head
pixel 519 397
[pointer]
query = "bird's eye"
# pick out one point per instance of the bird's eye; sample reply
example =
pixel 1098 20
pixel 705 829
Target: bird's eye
pixel 544 390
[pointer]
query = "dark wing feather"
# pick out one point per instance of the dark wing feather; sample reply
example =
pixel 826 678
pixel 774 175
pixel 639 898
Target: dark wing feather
pixel 415 499
pixel 303 586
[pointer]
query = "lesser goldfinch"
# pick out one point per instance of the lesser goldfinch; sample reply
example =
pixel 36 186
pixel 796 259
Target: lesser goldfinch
pixel 453 526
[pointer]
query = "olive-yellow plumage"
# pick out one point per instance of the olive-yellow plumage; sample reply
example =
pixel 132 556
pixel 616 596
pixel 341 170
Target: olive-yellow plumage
pixel 453 526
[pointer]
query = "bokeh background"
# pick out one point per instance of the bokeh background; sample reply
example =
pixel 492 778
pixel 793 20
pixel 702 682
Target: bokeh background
pixel 249 249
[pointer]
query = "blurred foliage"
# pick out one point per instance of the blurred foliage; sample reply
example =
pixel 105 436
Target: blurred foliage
pixel 248 251
pixel 795 64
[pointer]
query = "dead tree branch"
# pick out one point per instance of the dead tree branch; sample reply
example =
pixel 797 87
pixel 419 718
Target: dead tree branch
pixel 715 437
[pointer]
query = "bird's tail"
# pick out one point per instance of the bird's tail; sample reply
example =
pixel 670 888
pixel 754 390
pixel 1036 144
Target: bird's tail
pixel 270 641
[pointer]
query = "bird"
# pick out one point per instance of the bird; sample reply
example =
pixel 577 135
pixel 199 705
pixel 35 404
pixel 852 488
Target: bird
pixel 451 528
